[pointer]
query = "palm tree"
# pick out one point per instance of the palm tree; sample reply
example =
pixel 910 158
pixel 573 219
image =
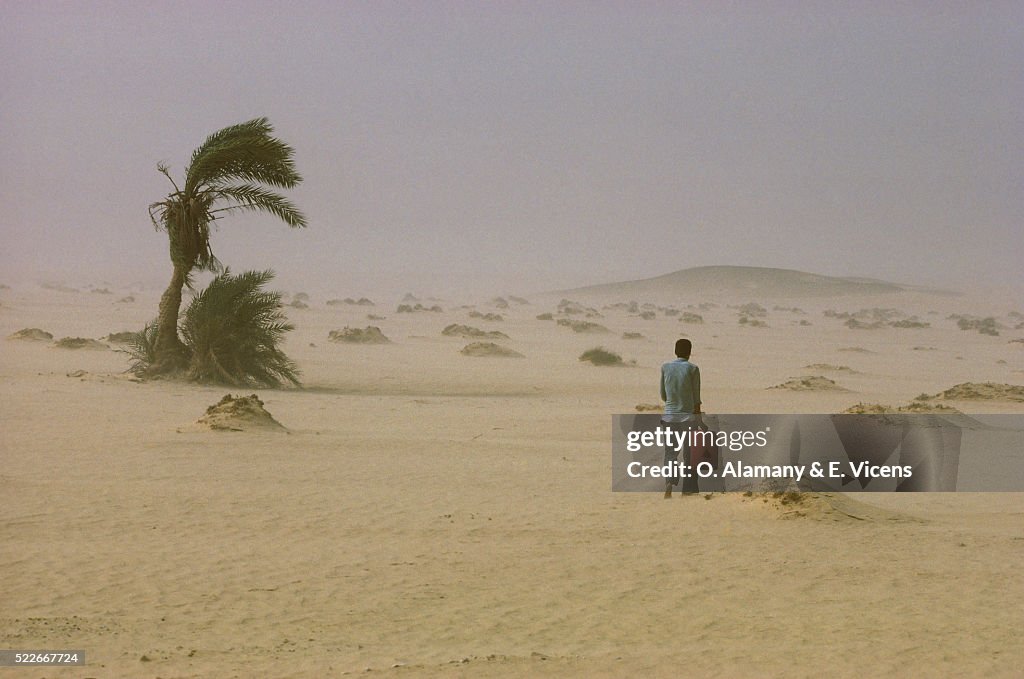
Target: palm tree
pixel 229 171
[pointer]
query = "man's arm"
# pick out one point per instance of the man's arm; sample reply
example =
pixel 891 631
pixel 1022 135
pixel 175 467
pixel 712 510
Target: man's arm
pixel 696 390
pixel 664 396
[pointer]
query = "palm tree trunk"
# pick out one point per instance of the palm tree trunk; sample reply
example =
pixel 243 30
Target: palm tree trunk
pixel 170 352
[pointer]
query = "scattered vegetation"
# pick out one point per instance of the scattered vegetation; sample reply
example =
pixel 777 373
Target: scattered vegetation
pixel 456 330
pixel 569 308
pixel 362 301
pixel 856 324
pixel 371 334
pixel 601 357
pixel 79 343
pixel 33 334
pixel 752 310
pixel 810 383
pixel 915 407
pixel 489 349
pixel 120 337
pixel 409 309
pixel 582 326
pixel 487 316
pixel 985 326
pixel 831 368
pixel 978 391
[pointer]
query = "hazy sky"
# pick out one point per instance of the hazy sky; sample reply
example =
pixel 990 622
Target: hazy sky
pixel 510 147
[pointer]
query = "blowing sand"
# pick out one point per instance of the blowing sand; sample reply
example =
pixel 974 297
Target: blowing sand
pixel 433 515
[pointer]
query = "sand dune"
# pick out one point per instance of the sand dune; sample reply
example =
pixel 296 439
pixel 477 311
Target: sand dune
pixel 757 282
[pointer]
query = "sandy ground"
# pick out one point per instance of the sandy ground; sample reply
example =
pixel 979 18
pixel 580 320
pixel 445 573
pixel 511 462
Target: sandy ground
pixel 434 514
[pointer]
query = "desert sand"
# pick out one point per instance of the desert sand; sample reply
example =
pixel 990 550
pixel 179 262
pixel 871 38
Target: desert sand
pixel 425 513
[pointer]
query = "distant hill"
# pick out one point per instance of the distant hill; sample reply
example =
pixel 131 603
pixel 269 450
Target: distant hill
pixel 744 280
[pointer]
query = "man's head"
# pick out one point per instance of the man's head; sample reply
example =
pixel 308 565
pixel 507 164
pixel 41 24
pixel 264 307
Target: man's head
pixel 683 348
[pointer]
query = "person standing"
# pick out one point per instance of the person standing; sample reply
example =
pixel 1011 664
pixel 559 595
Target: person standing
pixel 680 390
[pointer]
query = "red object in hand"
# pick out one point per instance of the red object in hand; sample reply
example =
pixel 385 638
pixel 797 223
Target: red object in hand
pixel 703 448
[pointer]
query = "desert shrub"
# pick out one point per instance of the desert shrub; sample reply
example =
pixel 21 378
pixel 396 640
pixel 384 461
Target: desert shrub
pixel 486 317
pixel 480 349
pixel 233 330
pixel 909 323
pixel 457 330
pixel 79 343
pixel 601 356
pixel 407 309
pixel 119 337
pixel 371 334
pixel 753 309
pixel 985 326
pixel 582 326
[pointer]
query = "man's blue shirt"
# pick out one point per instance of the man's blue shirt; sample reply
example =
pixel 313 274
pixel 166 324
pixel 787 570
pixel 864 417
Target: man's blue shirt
pixel 680 389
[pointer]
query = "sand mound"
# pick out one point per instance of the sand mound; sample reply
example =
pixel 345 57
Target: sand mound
pixel 649 408
pixel 856 350
pixel 810 383
pixel 489 349
pixel 486 317
pixel 31 334
pixel 239 414
pixel 979 391
pixel 456 330
pixel 583 326
pixel 601 357
pixel 409 309
pixel 371 334
pixel 838 507
pixel 120 337
pixel 362 301
pixel 79 343
pixel 831 368
pixel 915 407
pixel 863 325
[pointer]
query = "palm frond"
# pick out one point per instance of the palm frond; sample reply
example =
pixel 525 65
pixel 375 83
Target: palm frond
pixel 246 152
pixel 233 329
pixel 259 199
pixel 141 348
